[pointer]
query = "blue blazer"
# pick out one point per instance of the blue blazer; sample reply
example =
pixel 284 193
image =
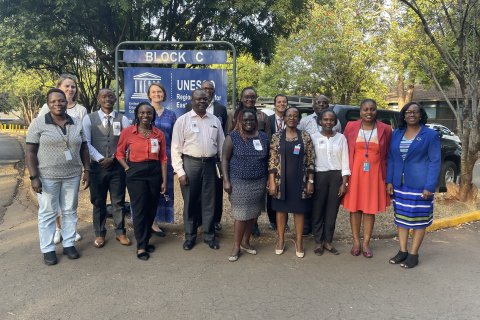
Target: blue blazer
pixel 421 166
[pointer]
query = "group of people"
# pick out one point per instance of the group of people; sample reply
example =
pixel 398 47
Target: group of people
pixel 306 167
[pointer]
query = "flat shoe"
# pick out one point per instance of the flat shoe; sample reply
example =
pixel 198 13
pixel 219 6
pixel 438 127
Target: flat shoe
pixel 355 252
pixel 280 251
pixel 333 251
pixel 188 244
pixel 159 233
pixel 410 262
pixel 212 244
pixel 318 251
pixel 248 250
pixel 234 258
pixel 143 256
pixel 150 248
pixel 368 254
pixel 299 254
pixel 123 239
pixel 399 258
pixel 99 242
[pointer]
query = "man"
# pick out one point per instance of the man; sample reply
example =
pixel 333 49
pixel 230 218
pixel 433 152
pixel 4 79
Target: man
pixel 309 123
pixel 277 124
pixel 102 131
pixel 219 111
pixel 197 142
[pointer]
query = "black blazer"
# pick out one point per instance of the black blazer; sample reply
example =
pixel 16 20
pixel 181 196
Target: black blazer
pixel 219 111
pixel 273 125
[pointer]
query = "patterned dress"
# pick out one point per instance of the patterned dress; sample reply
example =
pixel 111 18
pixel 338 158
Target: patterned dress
pixel 165 212
pixel 248 175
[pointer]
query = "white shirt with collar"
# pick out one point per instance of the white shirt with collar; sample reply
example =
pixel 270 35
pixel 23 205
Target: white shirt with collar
pixel 331 153
pixel 196 136
pixel 210 107
pixel 94 154
pixel 277 120
pixel 309 124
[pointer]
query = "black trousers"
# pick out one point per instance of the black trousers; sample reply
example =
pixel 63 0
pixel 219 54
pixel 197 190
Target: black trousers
pixel 200 189
pixel 325 204
pixel 144 181
pixel 218 199
pixel 102 182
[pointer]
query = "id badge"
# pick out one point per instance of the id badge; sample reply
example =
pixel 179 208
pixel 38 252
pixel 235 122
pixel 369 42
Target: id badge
pixel 68 155
pixel 366 166
pixel 257 145
pixel 154 145
pixel 194 127
pixel 116 128
pixel 296 149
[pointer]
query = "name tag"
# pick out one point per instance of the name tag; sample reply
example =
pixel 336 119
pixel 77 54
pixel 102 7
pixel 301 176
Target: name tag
pixel 154 145
pixel 68 155
pixel 194 127
pixel 116 128
pixel 257 145
pixel 366 166
pixel 296 149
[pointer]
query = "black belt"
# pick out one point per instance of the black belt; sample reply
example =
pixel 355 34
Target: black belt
pixel 201 159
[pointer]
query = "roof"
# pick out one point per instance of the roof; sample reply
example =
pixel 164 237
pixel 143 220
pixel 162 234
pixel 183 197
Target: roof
pixel 424 93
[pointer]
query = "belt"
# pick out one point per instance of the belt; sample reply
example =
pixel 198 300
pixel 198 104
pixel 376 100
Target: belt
pixel 201 159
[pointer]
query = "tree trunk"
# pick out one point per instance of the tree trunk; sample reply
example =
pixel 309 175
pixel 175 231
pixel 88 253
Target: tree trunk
pixel 400 91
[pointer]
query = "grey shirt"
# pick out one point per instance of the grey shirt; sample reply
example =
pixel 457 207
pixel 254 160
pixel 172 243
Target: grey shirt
pixel 53 144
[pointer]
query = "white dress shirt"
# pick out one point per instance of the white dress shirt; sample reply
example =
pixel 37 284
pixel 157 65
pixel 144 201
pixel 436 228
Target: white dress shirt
pixel 94 154
pixel 196 136
pixel 331 153
pixel 309 124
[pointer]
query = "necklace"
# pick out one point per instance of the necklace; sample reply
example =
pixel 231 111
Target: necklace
pixel 145 132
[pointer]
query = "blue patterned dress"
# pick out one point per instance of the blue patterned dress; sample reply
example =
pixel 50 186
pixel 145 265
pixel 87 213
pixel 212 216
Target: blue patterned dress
pixel 165 212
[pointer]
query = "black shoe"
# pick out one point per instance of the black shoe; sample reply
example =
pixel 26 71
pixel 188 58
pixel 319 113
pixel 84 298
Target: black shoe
pixel 213 244
pixel 256 231
pixel 272 226
pixel 71 252
pixel 159 233
pixel 218 226
pixel 50 258
pixel 188 244
pixel 150 248
pixel 306 232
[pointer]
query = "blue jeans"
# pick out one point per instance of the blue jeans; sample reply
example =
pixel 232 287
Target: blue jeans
pixel 57 194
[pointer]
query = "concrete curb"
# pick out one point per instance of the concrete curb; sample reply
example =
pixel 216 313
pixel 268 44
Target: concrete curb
pixel 454 221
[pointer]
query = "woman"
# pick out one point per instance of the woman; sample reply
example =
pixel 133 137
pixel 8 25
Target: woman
pixel 368 141
pixel 244 166
pixel 290 180
pixel 55 151
pixel 67 83
pixel 146 172
pixel 331 179
pixel 412 175
pixel 164 120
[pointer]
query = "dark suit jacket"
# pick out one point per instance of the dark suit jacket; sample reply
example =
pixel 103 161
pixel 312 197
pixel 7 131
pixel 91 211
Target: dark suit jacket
pixel 272 125
pixel 219 111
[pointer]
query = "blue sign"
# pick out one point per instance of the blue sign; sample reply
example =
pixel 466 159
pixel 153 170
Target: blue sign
pixel 175 56
pixel 179 84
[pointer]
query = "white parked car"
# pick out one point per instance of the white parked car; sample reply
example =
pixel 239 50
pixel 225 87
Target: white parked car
pixel 446 133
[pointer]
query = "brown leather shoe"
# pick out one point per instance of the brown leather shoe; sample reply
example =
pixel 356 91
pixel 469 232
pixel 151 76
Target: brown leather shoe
pixel 123 239
pixel 99 242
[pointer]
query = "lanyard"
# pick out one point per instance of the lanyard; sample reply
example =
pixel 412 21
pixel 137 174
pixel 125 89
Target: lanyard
pixel 367 142
pixel 62 135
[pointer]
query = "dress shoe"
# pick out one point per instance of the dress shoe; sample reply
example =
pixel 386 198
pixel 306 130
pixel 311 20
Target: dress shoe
pixel 217 226
pixel 280 251
pixel 299 254
pixel 144 255
pixel 213 244
pixel 150 248
pixel 99 242
pixel 123 239
pixel 306 232
pixel 318 250
pixel 188 244
pixel 71 252
pixel 249 250
pixel 50 258
pixel 159 233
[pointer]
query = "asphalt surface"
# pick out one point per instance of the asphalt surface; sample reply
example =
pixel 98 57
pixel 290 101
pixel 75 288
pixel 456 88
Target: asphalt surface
pixel 11 153
pixel 111 283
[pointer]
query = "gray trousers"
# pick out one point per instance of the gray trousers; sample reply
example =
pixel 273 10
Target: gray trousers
pixel 103 181
pixel 201 186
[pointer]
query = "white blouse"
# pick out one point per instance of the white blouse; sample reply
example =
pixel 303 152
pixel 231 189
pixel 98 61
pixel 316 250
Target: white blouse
pixel 331 153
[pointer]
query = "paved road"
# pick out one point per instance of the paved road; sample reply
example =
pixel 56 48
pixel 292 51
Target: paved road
pixel 10 149
pixel 111 283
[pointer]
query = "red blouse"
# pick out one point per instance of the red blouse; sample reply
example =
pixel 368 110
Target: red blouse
pixel 140 148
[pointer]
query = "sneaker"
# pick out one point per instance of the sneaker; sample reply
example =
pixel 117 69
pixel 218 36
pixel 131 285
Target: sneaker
pixel 58 236
pixel 50 258
pixel 71 252
pixel 78 237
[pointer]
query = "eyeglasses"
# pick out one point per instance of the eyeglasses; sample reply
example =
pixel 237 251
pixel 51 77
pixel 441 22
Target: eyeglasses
pixel 411 113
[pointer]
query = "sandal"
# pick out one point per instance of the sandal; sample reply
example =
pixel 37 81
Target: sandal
pixel 143 255
pixel 410 262
pixel 99 242
pixel 400 257
pixel 150 248
pixel 332 250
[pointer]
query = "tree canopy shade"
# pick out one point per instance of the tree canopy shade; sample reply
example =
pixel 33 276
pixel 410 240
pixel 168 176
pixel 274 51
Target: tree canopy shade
pixel 453 28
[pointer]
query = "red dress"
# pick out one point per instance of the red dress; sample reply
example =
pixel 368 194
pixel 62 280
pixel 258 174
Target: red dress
pixel 366 189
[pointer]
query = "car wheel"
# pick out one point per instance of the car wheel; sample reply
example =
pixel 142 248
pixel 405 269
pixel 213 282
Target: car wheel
pixel 448 173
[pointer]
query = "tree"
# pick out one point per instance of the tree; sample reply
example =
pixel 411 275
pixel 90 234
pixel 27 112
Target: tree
pixel 59 35
pixel 337 53
pixel 453 29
